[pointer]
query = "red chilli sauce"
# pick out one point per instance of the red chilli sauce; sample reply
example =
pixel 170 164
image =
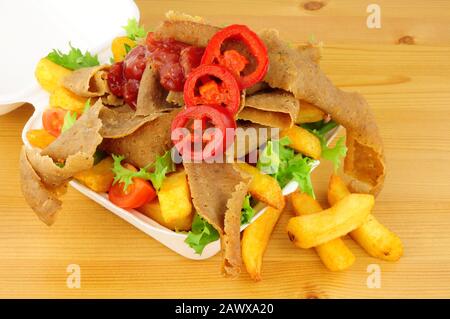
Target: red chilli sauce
pixel 172 59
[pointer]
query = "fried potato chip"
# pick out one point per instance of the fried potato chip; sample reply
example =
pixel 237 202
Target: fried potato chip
pixel 99 177
pixel 377 240
pixel 153 210
pixel 63 98
pixel 175 199
pixel 255 239
pixel 263 187
pixel 315 229
pixel 303 141
pixel 334 254
pixel 50 74
pixel 308 113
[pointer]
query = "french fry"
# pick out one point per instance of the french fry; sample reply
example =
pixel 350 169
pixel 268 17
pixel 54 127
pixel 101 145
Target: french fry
pixel 308 113
pixel 118 47
pixel 99 177
pixel 49 74
pixel 377 240
pixel 337 189
pixel 40 138
pixel 303 141
pixel 63 98
pixel 263 187
pixel 153 210
pixel 255 239
pixel 334 254
pixel 315 229
pixel 175 199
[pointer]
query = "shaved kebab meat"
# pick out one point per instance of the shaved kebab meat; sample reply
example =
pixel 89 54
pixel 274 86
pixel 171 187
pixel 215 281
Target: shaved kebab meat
pixel 88 82
pixel 293 72
pixel 218 191
pixel 141 147
pixel 83 137
pixel 41 177
pixel 42 199
pixel 274 109
pixel 122 121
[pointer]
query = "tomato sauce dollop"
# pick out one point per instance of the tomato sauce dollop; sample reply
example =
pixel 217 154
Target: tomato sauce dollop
pixel 172 59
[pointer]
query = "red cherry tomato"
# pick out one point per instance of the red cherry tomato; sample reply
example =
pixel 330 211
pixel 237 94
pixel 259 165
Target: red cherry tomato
pixel 202 132
pixel 136 195
pixel 53 120
pixel 212 85
pixel 235 61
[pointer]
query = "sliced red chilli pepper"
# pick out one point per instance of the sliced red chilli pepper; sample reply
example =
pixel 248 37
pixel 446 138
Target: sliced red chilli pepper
pixel 212 85
pixel 246 73
pixel 202 132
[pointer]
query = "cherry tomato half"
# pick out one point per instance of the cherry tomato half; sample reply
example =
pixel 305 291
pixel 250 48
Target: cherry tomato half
pixel 53 120
pixel 136 195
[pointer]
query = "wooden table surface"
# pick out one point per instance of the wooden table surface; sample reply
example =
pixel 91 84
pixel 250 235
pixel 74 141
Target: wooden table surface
pixel 408 87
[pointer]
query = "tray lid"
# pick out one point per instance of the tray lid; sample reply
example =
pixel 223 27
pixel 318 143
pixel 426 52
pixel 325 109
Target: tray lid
pixel 31 29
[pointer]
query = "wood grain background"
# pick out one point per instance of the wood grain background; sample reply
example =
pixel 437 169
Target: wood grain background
pixel 408 87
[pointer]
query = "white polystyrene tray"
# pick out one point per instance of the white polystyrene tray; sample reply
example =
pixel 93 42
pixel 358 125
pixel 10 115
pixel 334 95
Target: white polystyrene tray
pixel 86 29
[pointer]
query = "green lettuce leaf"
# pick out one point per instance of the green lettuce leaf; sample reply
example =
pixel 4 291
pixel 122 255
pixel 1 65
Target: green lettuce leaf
pixel 69 120
pixel 201 234
pixel 74 59
pixel 125 175
pixel 280 161
pixel 71 117
pixel 127 48
pixel 133 30
pixel 162 166
pixel 333 154
pixel 336 153
pixel 87 105
pixel 98 156
pixel 247 212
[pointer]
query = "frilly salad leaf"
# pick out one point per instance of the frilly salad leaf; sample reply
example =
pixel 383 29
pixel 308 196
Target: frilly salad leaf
pixel 162 166
pixel 247 212
pixel 280 161
pixel 71 117
pixel 201 234
pixel 333 154
pixel 74 59
pixel 69 120
pixel 133 30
